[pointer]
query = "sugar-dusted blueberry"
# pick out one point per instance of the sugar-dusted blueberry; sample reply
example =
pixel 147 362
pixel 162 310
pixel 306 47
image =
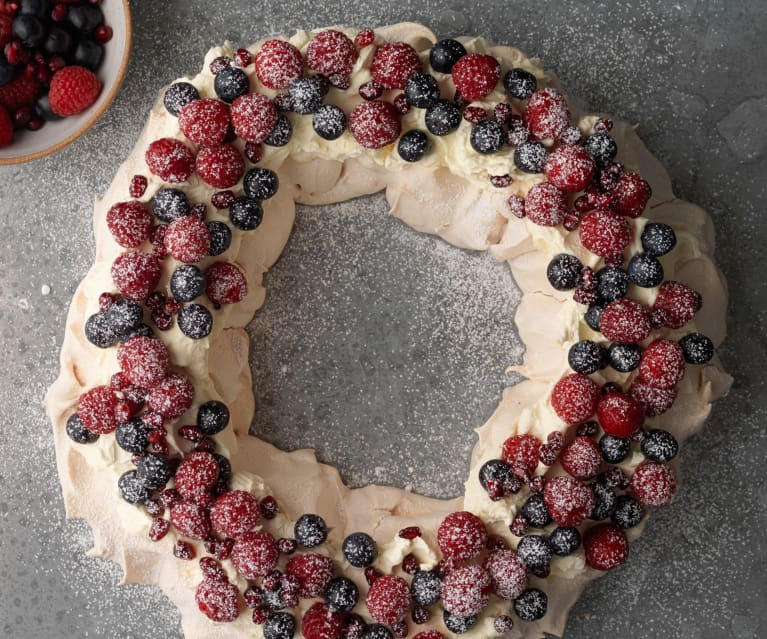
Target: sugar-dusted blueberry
pixel 697 348
pixel 531 605
pixel 98 331
pixel 586 357
pixel 445 53
pixel 604 501
pixel 212 417
pixel 310 530
pixel 306 94
pixel 426 587
pixel 486 137
pixel 376 631
pixel 593 315
pixel 645 270
pixel 170 204
pixel 494 476
pixel 413 145
pixel 231 83
pixel 260 184
pixel 442 117
pixel 341 594
pixel 628 512
pixel 132 488
pixel 564 271
pixel 178 95
pixel 659 445
pixel 458 625
pixel 195 321
pixel 329 122
pixel 220 237
pixel 124 316
pixel 612 283
pixel 536 511
pixel 602 148
pixel 154 470
pixel 658 239
pixel 77 431
pixel 187 283
pixel 360 549
pixel 246 213
pixel 422 90
pixel 519 83
pixel 133 436
pixel 280 625
pixel 534 551
pixel 281 133
pixel 624 358
pixel 614 449
pixel 530 156
pixel 564 540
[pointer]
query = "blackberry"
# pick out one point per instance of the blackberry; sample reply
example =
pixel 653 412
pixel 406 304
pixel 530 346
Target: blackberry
pixel 310 530
pixel 602 148
pixel 564 272
pixel 612 283
pixel 658 239
pixel 306 95
pixel 604 501
pixel 586 357
pixel 360 549
pixel 376 631
pixel 187 283
pixel 445 53
pixel 220 237
pixel 281 133
pixel 212 417
pixel 132 488
pixel 494 475
pixel 422 90
pixel 486 137
pixel 530 156
pixel 98 331
pixel 531 604
pixel 154 470
pixel 442 117
pixel 458 625
pixel 260 184
pixel 142 330
pixel 178 96
pixel 534 551
pixel 413 146
pixel 628 512
pixel 280 625
pixel 593 313
pixel 564 540
pixel 231 83
pixel 133 436
pixel 77 431
pixel 659 445
pixel 195 321
pixel 124 316
pixel 645 270
pixel 246 214
pixel 519 83
pixel 697 348
pixel 341 594
pixel 426 587
pixel 329 122
pixel 624 358
pixel 170 204
pixel 614 449
pixel 536 511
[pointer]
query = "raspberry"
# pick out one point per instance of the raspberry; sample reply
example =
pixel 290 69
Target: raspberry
pixel 331 52
pixel 461 535
pixel 219 600
pixel 475 75
pixel 320 623
pixel 205 122
pixel 172 397
pixel 196 475
pixel 143 361
pixel 569 501
pixel 136 274
pixel 277 63
pixel 581 458
pixel 73 89
pixel 571 168
pixel 375 124
pixel 6 128
pixel 388 599
pixel 604 233
pixel 220 166
pixel 631 194
pixel 253 117
pixel 190 519
pixel 662 364
pixel 100 410
pixel 187 239
pixel 18 93
pixel 235 513
pixel 170 159
pixel 547 115
pixel 225 283
pixel 394 63
pixel 545 204
pixel 313 572
pixel 679 302
pixel 574 398
pixel 625 321
pixel 129 222
pixel 653 483
pixel 620 415
pixel 522 448
pixel 466 590
pixel 655 401
pixel 606 547
pixel 508 574
pixel 255 554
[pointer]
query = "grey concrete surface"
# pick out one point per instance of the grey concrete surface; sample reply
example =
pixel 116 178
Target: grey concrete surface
pixel 692 73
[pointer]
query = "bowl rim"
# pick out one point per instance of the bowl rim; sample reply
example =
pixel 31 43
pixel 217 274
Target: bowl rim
pixel 96 115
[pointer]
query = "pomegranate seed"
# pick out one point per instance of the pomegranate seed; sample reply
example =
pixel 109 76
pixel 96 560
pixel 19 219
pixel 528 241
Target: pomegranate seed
pixel 137 186
pixel 35 124
pixel 272 581
pixel 206 445
pixel 219 63
pixel 603 125
pixel 242 58
pixel 556 439
pixel 364 38
pixel 411 532
pixel 371 90
pixel 339 81
pixel 410 564
pixel 589 429
pixel 547 454
pixel 105 301
pixel 371 574
pixel 399 628
pixel 162 320
pixel 474 114
pixel 496 542
pixel 582 204
pixel 269 507
pixel 572 221
pixel 518 526
pixel 161 447
pixel 260 615
pixel 190 433
pixel 584 296
pixel 287 546
pixel 59 13
pixel 56 62
pixel 252 596
pixel 446 566
pixel 171 307
pixel 501 181
pixel 154 507
pixel 43 74
pixel 401 103
pixel 222 199
pixel 516 206
pixel 254 152
pixel 502 112
pixel 212 569
pixel 421 615
pixel 159 529
pixel 183 550
pixel 537 484
pixel 155 300
pixel 503 624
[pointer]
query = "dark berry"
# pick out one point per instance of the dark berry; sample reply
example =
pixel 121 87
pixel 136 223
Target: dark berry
pixel 281 133
pixel 426 587
pixel 306 95
pixel 376 631
pixel 602 148
pixel 7 71
pixel 154 470
pixel 593 315
pixel 246 214
pixel 564 272
pixel 628 512
pixel 503 624
pixel 88 54
pixel 310 530
pixel 29 30
pixel 697 348
pixel 486 137
pixel 178 96
pixel 442 117
pixel 329 122
pixel 170 204
pixel 536 511
pixel 280 625
pixel 187 283
pixel 360 549
pixel 85 17
pixel 142 330
pixel 658 239
pixel 125 316
pixel 495 475
pixel 612 283
pixel 78 432
pixel 586 357
pixel 58 42
pixel 534 551
pixel 645 270
pixel 458 625
pixel 564 540
pixel 260 184
pixel 195 321
pixel 604 501
pixel 413 146
pixel 132 488
pixel 220 237
pixel 422 90
pixel 224 467
pixel 624 358
pixel 231 83
pixel 133 436
pixel 531 156
pixel 98 331
pixel 519 83
pixel 531 605
pixel 341 594
pixel 659 445
pixel 212 417
pixel 444 54
pixel 614 449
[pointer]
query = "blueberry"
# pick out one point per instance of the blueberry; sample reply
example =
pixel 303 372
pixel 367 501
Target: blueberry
pixel 281 133
pixel 170 204
pixel 133 436
pixel 280 625
pixel 445 53
pixel 531 604
pixel 360 549
pixel 260 184
pixel 697 348
pixel 564 540
pixel 224 467
pixel 536 511
pixel 413 145
pixel 593 313
pixel 306 95
pixel 124 316
pixel 530 156
pixel 564 272
pixel 604 501
pixel 602 148
pixel 88 54
pixel 534 551
pixel 329 122
pixel 220 237
pixel 154 470
pixel 310 530
pixel 43 107
pixel 614 449
pixel 78 432
pixel 586 357
pixel 7 71
pixel 486 137
pixel 494 475
pixel 658 239
pixel 456 624
pixel 178 96
pixel 426 587
pixel 37 8
pixel 422 90
pixel 187 283
pixel 341 594
pixel 142 330
pixel 195 321
pixel 612 283
pixel 231 83
pixel 212 417
pixel 246 214
pixel 645 270
pixel 442 117
pixel 376 631
pixel 624 358
pixel 58 42
pixel 29 30
pixel 628 512
pixel 659 445
pixel 519 83
pixel 132 488
pixel 98 331
pixel 85 18
pixel 273 599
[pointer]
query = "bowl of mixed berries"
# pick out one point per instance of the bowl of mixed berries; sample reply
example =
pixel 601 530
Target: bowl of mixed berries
pixel 61 65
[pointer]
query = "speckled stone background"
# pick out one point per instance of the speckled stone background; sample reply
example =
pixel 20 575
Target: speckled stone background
pixel 693 73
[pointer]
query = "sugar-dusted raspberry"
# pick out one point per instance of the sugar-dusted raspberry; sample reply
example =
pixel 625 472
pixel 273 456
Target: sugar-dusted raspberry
pixel 662 364
pixel 187 239
pixel 278 63
pixel 255 554
pixel 205 122
pixel 319 622
pixel 522 448
pixel 625 321
pixel 101 410
pixel 571 168
pixel 581 458
pixel 604 233
pixel 388 599
pixel 620 415
pixel 606 547
pixel 476 75
pixel 196 475
pixel 170 159
pixel 143 360
pixel 461 535
pixel 466 590
pixel 331 51
pixel 653 483
pixel 574 398
pixel 679 302
pixel 136 274
pixel 190 519
pixel 226 284
pixel 508 574
pixel 631 194
pixel 130 223
pixel 547 115
pixel 235 513
pixel 375 124
pixel 313 572
pixel 394 63
pixel 253 117
pixel 221 165
pixel 172 397
pixel 655 401
pixel 546 204
pixel 569 501
pixel 219 600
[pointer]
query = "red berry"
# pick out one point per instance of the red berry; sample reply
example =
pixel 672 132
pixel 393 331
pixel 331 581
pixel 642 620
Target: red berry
pixel 571 168
pixel 170 159
pixel 574 398
pixel 6 128
pixel 159 529
pixel 604 233
pixel 278 63
pixel 226 284
pixel 545 204
pixel 235 513
pixel 620 415
pixel 190 519
pixel 103 33
pixel 461 535
pixel 476 75
pixel 220 166
pixel 253 117
pixel 219 600
pixel 269 508
pixel 375 124
pixel 388 599
pixel 143 361
pixel 662 364
pixel 172 397
pixel 137 186
pixel 205 121
pixel 211 569
pixel 313 572
pixel 101 410
pixel 679 302
pixel 320 623
pixel 187 239
pixel 394 63
pixel 547 115
pixel 255 554
pixel 371 90
pixel 429 634
pixel 631 194
pixel 466 590
pixel 22 91
pixel 655 401
pixel 364 38
pixel 242 58
pixel 522 448
pixel 569 501
pixel 625 321
pixel 581 458
pixel 135 274
pixel 73 89
pixel 130 223
pixel 508 574
pixel 196 475
pixel 331 52
pixel 653 483
pixel 606 547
